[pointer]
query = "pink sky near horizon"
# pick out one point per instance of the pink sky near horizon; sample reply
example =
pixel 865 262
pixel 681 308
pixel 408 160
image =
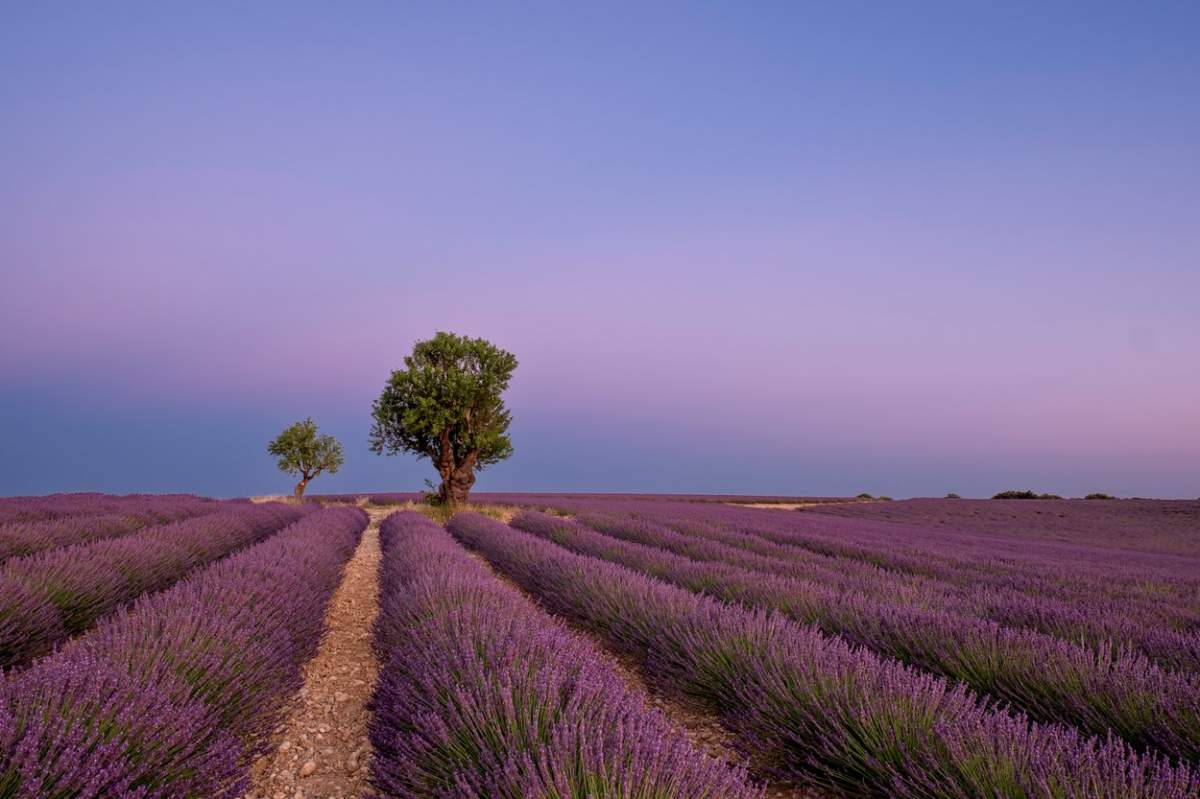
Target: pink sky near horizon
pixel 774 253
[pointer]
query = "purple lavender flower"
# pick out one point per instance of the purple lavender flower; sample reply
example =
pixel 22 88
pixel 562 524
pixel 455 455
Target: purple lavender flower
pixel 46 597
pixel 813 707
pixel 484 695
pixel 173 696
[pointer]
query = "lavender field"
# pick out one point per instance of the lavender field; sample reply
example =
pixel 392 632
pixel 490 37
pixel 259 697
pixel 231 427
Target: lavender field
pixel 603 646
pixel 600 401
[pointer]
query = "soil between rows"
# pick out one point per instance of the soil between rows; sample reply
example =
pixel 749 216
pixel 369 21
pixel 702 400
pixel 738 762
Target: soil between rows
pixel 321 751
pixel 700 726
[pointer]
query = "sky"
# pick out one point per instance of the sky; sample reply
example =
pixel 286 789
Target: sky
pixel 781 248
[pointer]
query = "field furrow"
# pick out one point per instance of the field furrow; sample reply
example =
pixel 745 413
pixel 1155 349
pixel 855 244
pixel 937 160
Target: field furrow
pixel 1099 690
pixel 20 538
pixel 812 707
pixel 482 694
pixel 175 696
pixel 47 598
pixel 63 506
pixel 1170 637
pixel 1143 602
pixel 321 748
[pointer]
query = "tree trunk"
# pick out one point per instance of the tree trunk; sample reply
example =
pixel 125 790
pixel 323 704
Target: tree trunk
pixel 457 477
pixel 456 486
pixel 300 489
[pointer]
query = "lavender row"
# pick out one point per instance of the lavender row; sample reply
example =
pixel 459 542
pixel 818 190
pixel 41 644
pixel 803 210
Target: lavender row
pixel 1097 600
pixel 483 694
pixel 175 696
pixel 1151 525
pixel 1068 568
pixel 1122 602
pixel 809 706
pixel 29 537
pixel 1098 624
pixel 54 506
pixel 1067 606
pixel 1050 679
pixel 48 597
pixel 1069 589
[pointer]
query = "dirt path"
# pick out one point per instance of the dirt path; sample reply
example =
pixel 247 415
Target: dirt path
pixel 321 749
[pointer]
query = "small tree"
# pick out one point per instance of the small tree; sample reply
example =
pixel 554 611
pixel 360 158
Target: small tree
pixel 445 405
pixel 301 451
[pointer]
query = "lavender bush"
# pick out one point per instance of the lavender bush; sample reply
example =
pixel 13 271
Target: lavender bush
pixel 175 696
pixel 1050 679
pixel 483 695
pixel 1150 525
pixel 1065 568
pixel 809 706
pixel 30 536
pixel 48 597
pixel 57 506
pixel 1076 593
pixel 1071 591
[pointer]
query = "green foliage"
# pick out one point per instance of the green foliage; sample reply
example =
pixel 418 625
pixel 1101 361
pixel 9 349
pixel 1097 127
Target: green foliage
pixel 1099 495
pixel 430 495
pixel 436 510
pixel 952 495
pixel 864 495
pixel 301 451
pixel 1024 495
pixel 446 405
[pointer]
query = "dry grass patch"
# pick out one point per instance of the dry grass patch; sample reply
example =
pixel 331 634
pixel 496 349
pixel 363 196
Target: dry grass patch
pixel 441 513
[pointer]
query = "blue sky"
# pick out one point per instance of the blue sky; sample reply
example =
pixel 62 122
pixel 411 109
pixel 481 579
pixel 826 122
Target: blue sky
pixel 786 248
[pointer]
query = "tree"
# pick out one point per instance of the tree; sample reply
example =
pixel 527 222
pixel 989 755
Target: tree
pixel 445 405
pixel 301 451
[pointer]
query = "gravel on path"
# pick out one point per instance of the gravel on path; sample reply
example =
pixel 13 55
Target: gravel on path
pixel 321 749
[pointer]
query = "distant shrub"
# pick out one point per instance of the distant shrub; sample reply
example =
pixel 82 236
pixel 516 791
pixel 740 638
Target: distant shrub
pixel 864 495
pixel 884 499
pixel 1099 495
pixel 952 495
pixel 431 495
pixel 1024 495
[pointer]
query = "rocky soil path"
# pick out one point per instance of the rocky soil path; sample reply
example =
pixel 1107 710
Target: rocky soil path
pixel 321 749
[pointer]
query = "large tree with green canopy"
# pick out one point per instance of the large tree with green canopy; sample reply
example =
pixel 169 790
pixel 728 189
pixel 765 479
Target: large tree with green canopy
pixel 301 451
pixel 445 405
